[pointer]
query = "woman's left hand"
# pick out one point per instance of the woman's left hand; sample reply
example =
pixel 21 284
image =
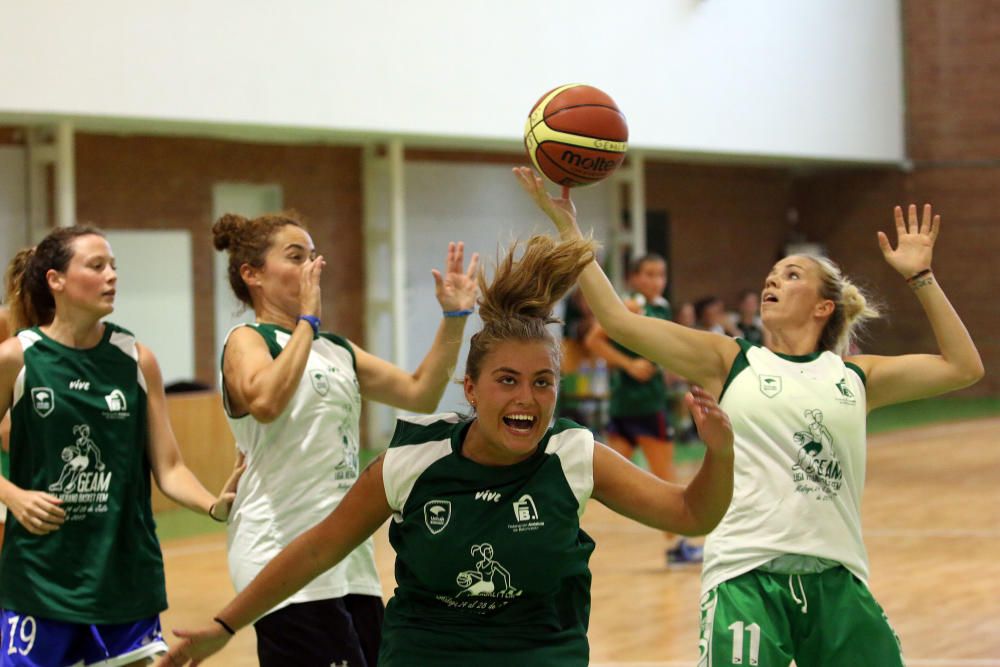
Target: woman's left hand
pixel 457 289
pixel 224 503
pixel 195 646
pixel 712 422
pixel 915 241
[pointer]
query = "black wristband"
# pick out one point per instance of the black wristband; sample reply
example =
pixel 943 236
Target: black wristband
pixel 918 274
pixel 224 625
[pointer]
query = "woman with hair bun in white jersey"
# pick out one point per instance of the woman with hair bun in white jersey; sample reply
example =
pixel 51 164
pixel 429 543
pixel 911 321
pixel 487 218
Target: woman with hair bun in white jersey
pixel 785 573
pixel 293 393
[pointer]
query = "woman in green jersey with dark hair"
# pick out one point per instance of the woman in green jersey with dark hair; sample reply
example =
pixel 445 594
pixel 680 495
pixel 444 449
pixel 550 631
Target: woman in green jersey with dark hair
pixel 785 575
pixel 491 565
pixel 81 574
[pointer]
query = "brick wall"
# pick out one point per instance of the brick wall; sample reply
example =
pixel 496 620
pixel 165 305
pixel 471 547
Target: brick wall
pixel 727 225
pixel 140 182
pixel 952 69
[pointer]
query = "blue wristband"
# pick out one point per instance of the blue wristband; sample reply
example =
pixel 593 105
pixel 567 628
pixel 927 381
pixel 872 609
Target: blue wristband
pixel 313 322
pixel 458 313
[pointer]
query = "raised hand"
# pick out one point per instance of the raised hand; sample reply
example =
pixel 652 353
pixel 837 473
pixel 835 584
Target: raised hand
pixel 37 511
pixel 310 296
pixel 914 241
pixel 196 646
pixel 711 421
pixel 223 505
pixel 560 210
pixel 457 289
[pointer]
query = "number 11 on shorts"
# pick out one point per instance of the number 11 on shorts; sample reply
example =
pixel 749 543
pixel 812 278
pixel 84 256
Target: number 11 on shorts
pixel 754 631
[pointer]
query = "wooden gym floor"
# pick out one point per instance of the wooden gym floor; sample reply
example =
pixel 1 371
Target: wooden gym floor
pixel 932 526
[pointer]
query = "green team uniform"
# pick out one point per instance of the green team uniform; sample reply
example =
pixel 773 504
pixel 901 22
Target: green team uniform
pixel 79 432
pixel 786 571
pixel 491 562
pixel 630 397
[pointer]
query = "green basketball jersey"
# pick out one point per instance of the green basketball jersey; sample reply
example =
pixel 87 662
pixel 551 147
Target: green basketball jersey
pixel 79 432
pixel 491 562
pixel 630 397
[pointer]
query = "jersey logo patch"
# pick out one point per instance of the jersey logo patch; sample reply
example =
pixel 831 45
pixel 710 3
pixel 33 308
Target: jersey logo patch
pixel 117 405
pixel 43 400
pixel 846 395
pixel 526 515
pixel 319 382
pixel 818 470
pixel 770 385
pixel 437 514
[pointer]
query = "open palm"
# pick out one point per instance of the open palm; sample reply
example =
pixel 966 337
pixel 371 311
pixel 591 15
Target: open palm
pixel 914 241
pixel 456 289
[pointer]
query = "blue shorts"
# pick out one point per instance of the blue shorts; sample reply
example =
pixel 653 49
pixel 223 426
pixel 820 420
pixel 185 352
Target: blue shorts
pixel 631 428
pixel 29 641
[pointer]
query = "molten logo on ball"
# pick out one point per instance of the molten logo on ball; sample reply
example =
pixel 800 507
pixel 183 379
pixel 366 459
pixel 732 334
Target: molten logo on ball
pixel 576 135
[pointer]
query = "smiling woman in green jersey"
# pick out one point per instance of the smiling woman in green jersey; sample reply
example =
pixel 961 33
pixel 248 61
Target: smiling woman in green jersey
pixel 491 562
pixel 786 571
pixel 81 574
pixel 293 397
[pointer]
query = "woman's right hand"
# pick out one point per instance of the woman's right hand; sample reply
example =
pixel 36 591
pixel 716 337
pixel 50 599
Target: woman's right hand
pixel 310 296
pixel 560 210
pixel 197 645
pixel 37 511
pixel 712 422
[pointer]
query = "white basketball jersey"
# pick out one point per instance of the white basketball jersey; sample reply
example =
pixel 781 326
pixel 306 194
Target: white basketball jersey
pixel 299 467
pixel 800 425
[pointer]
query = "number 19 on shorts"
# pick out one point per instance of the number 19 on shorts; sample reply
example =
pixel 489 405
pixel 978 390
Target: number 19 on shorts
pixel 24 629
pixel 743 635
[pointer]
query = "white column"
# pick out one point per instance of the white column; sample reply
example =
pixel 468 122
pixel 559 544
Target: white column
pixel 637 203
pixel 65 169
pixel 397 226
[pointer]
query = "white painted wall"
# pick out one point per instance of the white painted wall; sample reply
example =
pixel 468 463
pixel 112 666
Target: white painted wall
pixel 13 203
pixel 815 78
pixel 249 200
pixel 481 205
pixel 155 299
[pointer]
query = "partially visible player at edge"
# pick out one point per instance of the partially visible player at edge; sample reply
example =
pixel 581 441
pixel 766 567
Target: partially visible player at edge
pixel 491 563
pixel 785 574
pixel 81 573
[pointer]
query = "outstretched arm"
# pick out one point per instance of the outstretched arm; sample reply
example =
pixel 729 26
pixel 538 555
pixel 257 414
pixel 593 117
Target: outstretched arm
pixel 699 356
pixel 421 390
pixel 694 510
pixel 359 514
pixel 911 376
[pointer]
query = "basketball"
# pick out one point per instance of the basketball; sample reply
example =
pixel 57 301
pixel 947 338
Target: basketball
pixel 576 135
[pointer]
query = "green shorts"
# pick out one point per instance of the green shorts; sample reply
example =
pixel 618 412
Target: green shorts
pixel 828 619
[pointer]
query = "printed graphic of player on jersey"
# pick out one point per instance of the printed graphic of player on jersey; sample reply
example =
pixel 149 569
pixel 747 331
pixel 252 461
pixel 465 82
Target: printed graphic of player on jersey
pixel 480 580
pixel 77 458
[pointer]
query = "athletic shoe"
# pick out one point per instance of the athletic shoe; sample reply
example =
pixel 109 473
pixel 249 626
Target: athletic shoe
pixel 684 554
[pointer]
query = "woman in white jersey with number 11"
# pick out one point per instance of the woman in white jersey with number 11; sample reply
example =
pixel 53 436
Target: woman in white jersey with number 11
pixel 785 572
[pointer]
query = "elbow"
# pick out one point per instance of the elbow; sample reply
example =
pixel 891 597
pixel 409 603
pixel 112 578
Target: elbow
pixel 974 374
pixel 264 411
